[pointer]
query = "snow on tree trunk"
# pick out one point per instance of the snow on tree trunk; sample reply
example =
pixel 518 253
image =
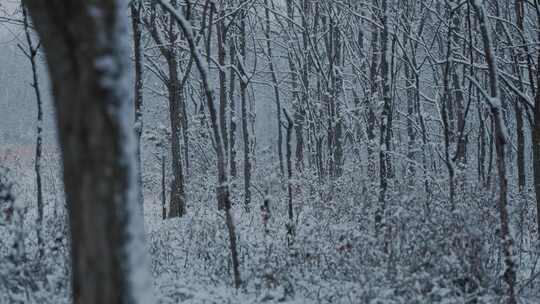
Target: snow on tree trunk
pixel 87 51
pixel 496 108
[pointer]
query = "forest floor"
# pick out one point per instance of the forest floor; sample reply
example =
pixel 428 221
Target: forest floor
pixel 423 253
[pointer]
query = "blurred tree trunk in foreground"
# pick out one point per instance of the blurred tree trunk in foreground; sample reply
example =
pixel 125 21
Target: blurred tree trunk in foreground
pixel 87 53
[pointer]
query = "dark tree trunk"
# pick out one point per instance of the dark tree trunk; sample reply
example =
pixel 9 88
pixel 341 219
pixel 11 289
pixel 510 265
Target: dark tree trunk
pixel 536 150
pixel 220 31
pixel 290 224
pixel 232 111
pixel 176 99
pixel 446 109
pixel 386 122
pixel 244 111
pixel 31 53
pixel 496 107
pixel 518 110
pixel 294 86
pixel 177 203
pixel 88 66
pixel 520 147
pixel 371 103
pixel 300 108
pixel 163 187
pixel 136 24
pixel 411 132
pixel 337 82
pixel 176 95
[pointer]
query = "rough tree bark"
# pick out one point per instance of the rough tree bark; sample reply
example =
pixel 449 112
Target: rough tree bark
pixel 88 57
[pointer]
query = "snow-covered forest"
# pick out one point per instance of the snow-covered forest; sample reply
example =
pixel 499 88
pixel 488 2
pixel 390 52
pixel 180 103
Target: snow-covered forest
pixel 269 151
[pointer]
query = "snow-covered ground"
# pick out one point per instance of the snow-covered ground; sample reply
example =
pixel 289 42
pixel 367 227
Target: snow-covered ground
pixel 335 256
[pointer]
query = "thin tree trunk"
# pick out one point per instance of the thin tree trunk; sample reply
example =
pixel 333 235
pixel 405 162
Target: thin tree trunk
pixel 500 142
pixel 536 149
pixel 520 134
pixel 232 111
pixel 481 146
pixel 185 134
pixel 177 206
pixel 220 31
pixel 275 84
pixel 386 122
pixel 299 108
pixel 371 104
pixel 163 187
pixel 31 53
pixel 176 99
pixel 535 132
pixel 290 224
pixel 136 24
pixel 518 111
pixel 294 87
pixel 536 154
pixel 446 109
pixel 337 83
pixel 243 98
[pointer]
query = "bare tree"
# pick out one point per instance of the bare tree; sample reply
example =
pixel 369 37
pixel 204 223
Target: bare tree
pixel 386 118
pixel 269 53
pixel 244 82
pixel 495 104
pixel 31 53
pixel 290 225
pixel 223 195
pixel 176 97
